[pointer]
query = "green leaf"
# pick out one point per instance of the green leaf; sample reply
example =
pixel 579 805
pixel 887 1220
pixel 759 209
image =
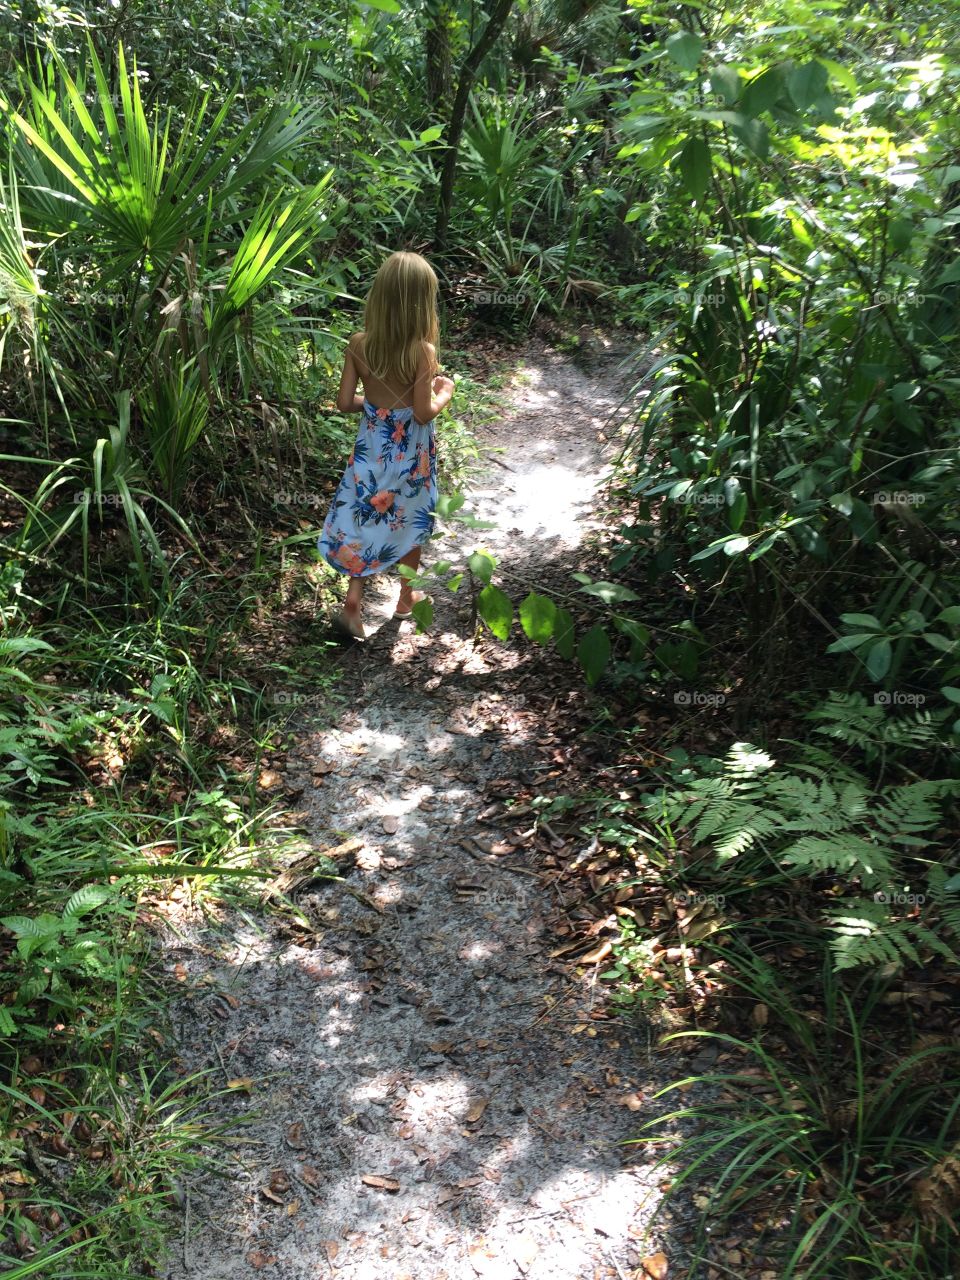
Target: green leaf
pixel 431 134
pixel 594 653
pixel 878 659
pixel 423 612
pixel 694 165
pixel 951 616
pixel 384 6
pixel 807 82
pixel 733 546
pixel 862 620
pixel 846 643
pixel 756 135
pixel 951 693
pixel 942 643
pixel 87 898
pixel 762 91
pixel 684 48
pixel 725 83
pixel 538 616
pixel 737 512
pixel 609 592
pixel 496 610
pixel 482 565
pixel 563 633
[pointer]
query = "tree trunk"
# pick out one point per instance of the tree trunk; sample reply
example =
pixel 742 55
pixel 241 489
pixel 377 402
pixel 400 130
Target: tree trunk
pixel 468 71
pixel 436 47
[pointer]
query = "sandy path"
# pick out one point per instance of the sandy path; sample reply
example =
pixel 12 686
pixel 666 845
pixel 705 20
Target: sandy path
pixel 428 1039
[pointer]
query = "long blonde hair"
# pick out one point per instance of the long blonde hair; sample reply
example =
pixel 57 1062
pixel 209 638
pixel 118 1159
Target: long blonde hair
pixel 399 316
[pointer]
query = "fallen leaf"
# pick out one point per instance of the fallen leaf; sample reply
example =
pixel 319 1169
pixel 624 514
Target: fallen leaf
pixel 310 1175
pixel 295 1136
pixel 477 1108
pixel 390 823
pixel 279 1181
pixel 655 1266
pixel 269 779
pixel 258 1259
pixel 760 1015
pixel 241 1082
pixel 383 1184
pixel 331 1248
pixel 634 1101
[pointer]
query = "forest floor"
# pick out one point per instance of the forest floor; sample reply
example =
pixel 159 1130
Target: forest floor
pixel 427 1088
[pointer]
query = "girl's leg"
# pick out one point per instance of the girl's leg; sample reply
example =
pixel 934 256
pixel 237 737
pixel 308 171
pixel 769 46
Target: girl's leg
pixel 408 596
pixel 354 596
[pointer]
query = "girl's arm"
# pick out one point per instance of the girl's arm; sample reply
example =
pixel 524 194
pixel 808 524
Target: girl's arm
pixel 429 399
pixel 347 399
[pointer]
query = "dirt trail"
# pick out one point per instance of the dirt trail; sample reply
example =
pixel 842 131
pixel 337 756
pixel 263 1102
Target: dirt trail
pixel 419 1032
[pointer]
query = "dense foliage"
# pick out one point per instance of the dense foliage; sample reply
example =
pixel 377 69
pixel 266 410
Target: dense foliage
pixel 191 202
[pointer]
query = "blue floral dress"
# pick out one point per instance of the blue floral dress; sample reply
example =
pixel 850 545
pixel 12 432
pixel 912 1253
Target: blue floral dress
pixel 384 504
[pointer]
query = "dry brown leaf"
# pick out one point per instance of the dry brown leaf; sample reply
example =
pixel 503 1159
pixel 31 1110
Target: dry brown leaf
pixel 241 1082
pixel 390 823
pixel 760 1015
pixel 258 1259
pixel 381 1183
pixel 331 1248
pixel 655 1266
pixel 279 1181
pixel 634 1101
pixel 269 779
pixel 477 1108
pixel 295 1136
pixel 310 1175
pixel 598 953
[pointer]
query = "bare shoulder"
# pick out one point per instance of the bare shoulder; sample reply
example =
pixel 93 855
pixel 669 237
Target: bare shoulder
pixel 355 343
pixel 431 355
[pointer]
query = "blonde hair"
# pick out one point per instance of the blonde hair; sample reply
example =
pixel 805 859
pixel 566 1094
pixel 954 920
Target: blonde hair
pixel 399 316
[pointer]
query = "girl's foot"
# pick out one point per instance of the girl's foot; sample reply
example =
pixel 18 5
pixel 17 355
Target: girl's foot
pixel 407 600
pixel 348 619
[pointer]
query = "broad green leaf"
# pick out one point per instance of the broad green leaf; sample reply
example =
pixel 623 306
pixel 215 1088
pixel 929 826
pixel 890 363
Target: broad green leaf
pixel 846 643
pixel 482 565
pixel 423 613
pixel 694 165
pixel 942 643
pixel 862 620
pixel 684 48
pixel 385 6
pixel 563 633
pixel 87 898
pixel 610 592
pixel 950 615
pixel 725 83
pixel 879 656
pixel 807 82
pixel 951 693
pixel 538 615
pixel 594 653
pixel 432 134
pixel 496 610
pixel 733 546
pixel 762 91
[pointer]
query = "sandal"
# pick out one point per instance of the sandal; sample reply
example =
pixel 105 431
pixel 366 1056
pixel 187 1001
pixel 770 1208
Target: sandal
pixel 417 597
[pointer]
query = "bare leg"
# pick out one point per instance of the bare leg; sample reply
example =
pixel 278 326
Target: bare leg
pixel 352 606
pixel 408 596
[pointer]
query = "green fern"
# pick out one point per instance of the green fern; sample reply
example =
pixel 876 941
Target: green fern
pixel 816 817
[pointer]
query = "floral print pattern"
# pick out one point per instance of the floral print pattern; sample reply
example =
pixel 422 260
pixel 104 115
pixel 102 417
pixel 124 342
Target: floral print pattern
pixel 389 487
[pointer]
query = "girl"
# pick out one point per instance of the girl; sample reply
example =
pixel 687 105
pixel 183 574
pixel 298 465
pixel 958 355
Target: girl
pixel 382 512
